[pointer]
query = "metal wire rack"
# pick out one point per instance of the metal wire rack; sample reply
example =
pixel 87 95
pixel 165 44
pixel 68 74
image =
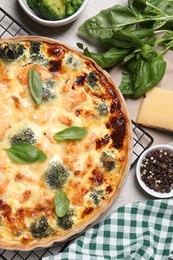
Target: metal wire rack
pixel 141 141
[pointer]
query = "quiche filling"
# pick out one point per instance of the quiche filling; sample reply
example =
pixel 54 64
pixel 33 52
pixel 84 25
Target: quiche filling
pixel 89 170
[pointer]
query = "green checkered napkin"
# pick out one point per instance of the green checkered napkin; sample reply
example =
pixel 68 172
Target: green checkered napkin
pixel 137 231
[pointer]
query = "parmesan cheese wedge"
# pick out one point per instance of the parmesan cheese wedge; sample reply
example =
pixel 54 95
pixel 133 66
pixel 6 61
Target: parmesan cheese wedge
pixel 156 109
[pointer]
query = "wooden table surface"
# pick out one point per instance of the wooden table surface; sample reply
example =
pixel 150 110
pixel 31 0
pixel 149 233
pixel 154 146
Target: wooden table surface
pixel 131 191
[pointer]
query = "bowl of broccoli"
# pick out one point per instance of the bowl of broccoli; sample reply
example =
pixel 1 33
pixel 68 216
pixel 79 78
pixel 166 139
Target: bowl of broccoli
pixel 53 12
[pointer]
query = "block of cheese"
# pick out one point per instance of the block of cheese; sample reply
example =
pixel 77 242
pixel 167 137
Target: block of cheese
pixel 156 109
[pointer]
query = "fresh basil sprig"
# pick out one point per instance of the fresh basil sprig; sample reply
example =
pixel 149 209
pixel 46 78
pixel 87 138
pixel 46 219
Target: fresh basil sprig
pixel 35 84
pixel 127 34
pixel 61 203
pixel 24 153
pixel 71 133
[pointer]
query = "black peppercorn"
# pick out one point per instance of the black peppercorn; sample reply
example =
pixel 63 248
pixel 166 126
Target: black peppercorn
pixel 157 170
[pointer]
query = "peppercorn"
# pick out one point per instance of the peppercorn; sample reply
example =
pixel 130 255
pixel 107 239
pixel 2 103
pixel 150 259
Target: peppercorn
pixel 157 170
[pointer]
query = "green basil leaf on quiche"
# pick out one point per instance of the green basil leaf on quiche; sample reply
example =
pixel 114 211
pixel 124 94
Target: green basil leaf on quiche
pixel 35 84
pixel 61 203
pixel 71 133
pixel 24 153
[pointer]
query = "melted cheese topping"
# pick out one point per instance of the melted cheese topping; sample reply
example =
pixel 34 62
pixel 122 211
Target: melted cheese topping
pixel 73 92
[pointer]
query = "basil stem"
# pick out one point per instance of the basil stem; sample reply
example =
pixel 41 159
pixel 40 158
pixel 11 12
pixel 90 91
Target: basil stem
pixel 24 153
pixel 71 133
pixel 35 84
pixel 61 203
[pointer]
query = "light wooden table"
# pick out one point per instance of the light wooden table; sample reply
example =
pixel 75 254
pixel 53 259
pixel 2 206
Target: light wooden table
pixel 131 192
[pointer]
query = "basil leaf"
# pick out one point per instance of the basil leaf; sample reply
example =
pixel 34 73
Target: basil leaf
pixel 126 85
pixel 71 133
pixel 106 23
pixel 142 33
pixel 146 74
pixel 61 203
pixel 148 52
pixel 109 58
pixel 122 39
pixel 24 153
pixel 158 8
pixel 35 85
pixel 149 74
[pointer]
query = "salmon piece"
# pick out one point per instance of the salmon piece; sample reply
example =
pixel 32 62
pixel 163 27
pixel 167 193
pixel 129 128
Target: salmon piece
pixel 45 147
pixel 23 75
pixel 5 121
pixel 90 161
pixel 77 96
pixel 4 186
pixel 24 93
pixel 4 72
pixel 25 196
pixel 65 120
pixel 77 198
pixel 2 167
pixel 67 87
pixel 72 147
pixel 22 177
pixel 74 98
pixel 47 197
pixel 3 128
pixel 49 135
pixel 91 141
pixel 17 102
pixel 90 113
pixel 72 155
pixel 42 115
pixel 70 161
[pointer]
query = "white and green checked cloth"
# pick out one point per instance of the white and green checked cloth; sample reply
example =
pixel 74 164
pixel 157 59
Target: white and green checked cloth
pixel 138 231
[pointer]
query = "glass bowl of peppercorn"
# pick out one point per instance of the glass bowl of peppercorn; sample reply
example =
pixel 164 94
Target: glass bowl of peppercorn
pixel 154 171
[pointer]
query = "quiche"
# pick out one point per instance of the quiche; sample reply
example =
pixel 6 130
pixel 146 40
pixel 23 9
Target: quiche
pixel 65 142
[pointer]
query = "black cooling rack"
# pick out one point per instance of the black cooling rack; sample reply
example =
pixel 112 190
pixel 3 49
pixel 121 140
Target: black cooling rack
pixel 141 141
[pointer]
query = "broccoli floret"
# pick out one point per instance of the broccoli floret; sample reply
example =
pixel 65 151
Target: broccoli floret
pixel 102 109
pixel 71 6
pixel 39 59
pixel 51 9
pixel 11 51
pixel 95 196
pixel 92 80
pixel 56 175
pixel 40 228
pixel 66 222
pixel 72 62
pixel 35 48
pixel 36 55
pixel 26 135
pixel 50 83
pixel 107 161
pixel 47 93
pixel 47 89
pixel 33 4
